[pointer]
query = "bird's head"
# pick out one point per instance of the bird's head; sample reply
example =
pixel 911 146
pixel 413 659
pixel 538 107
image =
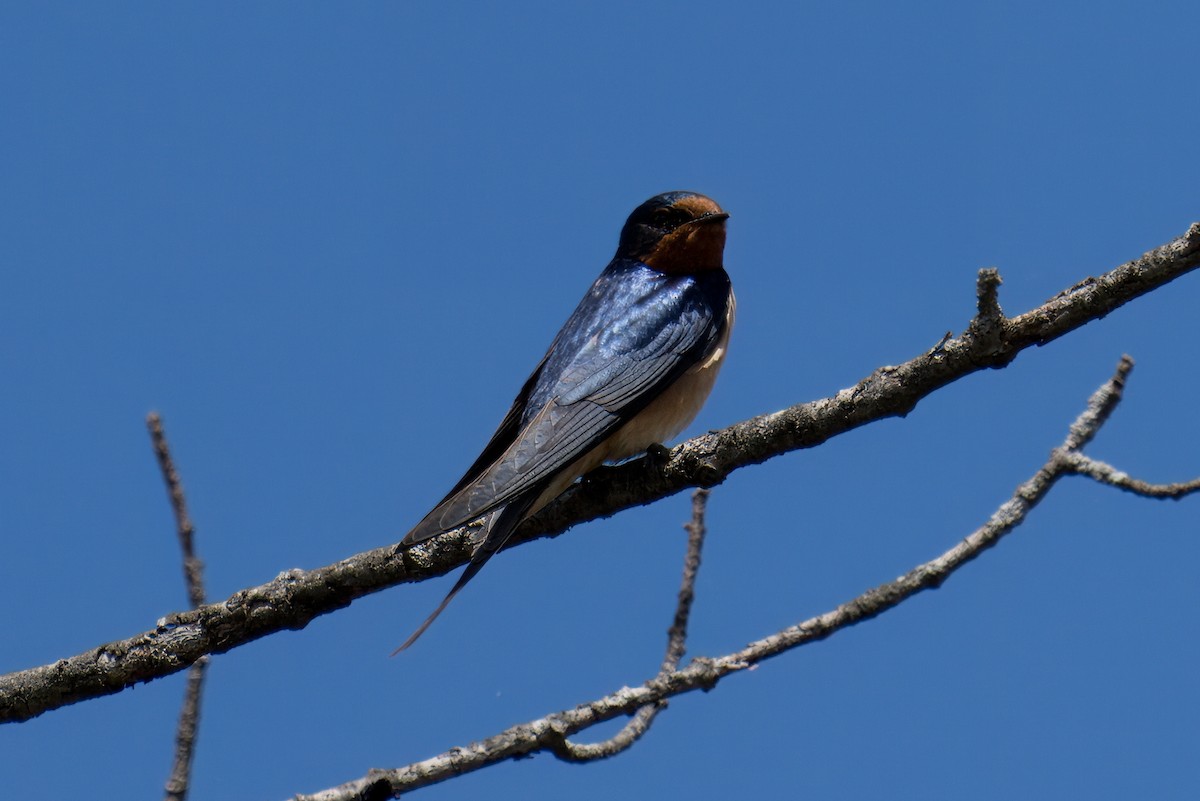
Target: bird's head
pixel 676 233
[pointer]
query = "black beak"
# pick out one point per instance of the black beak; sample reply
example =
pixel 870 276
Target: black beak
pixel 720 216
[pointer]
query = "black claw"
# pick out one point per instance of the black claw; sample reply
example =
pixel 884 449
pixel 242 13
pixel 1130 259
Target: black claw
pixel 658 453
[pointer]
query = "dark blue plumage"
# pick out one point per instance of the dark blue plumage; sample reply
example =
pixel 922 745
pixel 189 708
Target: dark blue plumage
pixel 630 368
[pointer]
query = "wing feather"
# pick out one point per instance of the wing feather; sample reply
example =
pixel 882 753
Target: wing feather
pixel 611 359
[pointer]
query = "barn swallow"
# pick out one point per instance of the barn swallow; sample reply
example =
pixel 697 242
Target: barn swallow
pixel 630 369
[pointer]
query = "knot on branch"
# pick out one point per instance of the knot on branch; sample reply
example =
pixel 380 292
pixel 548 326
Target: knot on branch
pixel 985 334
pixel 705 673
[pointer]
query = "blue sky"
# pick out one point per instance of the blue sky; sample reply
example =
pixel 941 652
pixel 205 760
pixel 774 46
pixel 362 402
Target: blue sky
pixel 328 242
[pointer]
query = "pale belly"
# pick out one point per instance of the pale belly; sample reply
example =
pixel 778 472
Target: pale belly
pixel 665 417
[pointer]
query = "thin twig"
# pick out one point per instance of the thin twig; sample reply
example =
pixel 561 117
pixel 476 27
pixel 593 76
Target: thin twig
pixel 193 568
pixel 296 597
pixel 179 781
pixel 1107 474
pixel 546 734
pixel 176 788
pixel 677 634
pixel 676 648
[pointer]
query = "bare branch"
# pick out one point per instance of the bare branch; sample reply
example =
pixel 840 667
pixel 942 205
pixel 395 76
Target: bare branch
pixel 178 782
pixel 987 291
pixel 989 324
pixel 293 599
pixel 677 634
pixel 193 568
pixel 676 648
pixel 1107 474
pixel 176 788
pixel 546 734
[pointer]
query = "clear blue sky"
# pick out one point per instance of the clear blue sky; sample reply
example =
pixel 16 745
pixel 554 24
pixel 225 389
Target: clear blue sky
pixel 329 241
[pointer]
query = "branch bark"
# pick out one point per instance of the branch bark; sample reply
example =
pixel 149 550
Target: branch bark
pixel 176 788
pixel 568 751
pixel 295 597
pixel 550 732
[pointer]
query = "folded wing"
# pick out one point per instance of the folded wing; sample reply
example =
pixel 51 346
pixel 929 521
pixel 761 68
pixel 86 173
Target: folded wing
pixel 631 338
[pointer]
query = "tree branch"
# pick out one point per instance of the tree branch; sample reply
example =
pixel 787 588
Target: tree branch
pixel 547 733
pixel 1105 473
pixel 176 788
pixel 568 751
pixel 295 597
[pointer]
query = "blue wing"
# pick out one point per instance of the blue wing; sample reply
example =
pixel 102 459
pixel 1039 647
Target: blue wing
pixel 630 338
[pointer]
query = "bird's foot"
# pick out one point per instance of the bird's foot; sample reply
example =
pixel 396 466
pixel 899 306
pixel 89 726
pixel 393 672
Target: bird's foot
pixel 658 453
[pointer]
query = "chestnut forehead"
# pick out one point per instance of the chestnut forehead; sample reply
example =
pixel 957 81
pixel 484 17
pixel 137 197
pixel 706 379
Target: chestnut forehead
pixel 697 205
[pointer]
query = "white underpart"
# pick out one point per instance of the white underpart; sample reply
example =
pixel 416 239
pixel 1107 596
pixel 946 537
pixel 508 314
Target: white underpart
pixel 665 417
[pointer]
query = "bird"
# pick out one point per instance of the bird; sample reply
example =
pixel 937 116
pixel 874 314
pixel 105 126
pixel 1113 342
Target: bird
pixel 629 370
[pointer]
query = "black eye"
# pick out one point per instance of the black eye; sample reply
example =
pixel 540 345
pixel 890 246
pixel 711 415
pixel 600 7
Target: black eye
pixel 667 217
